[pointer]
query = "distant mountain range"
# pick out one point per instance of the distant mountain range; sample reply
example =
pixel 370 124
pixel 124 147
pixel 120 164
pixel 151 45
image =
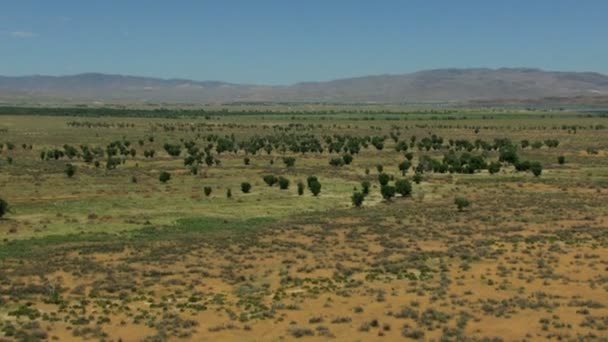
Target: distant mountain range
pixel 431 86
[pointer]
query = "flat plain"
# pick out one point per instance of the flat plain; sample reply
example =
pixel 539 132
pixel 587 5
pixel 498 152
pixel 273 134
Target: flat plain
pixel 96 247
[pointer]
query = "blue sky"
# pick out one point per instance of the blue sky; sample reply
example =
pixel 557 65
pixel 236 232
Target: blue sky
pixel 281 42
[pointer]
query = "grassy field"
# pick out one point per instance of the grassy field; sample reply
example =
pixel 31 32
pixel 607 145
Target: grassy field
pixel 115 254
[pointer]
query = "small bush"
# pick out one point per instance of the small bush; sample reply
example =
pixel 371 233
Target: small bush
pixel 283 183
pixel 461 203
pixel 245 187
pixel 357 199
pixel 164 177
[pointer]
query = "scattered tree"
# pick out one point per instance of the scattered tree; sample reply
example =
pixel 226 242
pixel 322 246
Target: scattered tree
pixel 387 191
pixel 207 191
pixel 70 170
pixel 561 160
pixel 347 158
pixel 403 187
pixel 536 168
pixel 245 187
pixel 357 199
pixel 270 180
pixel 3 207
pixel 365 185
pixel 164 177
pixel 461 203
pixel 494 167
pixel 283 183
pixel 289 161
pixel 383 178
pixel 315 187
pixel 300 188
pixel 404 166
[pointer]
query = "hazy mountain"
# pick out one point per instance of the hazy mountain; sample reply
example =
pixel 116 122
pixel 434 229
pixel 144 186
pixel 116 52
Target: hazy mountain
pixel 442 85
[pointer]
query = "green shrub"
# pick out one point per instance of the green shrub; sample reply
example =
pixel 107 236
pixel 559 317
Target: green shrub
pixel 70 170
pixel 403 187
pixel 164 177
pixel 357 199
pixel 283 183
pixel 387 192
pixel 461 203
pixel 245 187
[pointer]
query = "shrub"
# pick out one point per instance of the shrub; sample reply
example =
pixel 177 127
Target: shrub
pixel 403 187
pixel 523 166
pixel 347 159
pixel 404 166
pixel 270 180
pixel 207 191
pixel 409 156
pixel 283 183
pixel 245 187
pixel 70 170
pixel 246 160
pixel 357 199
pixel 494 167
pixel 164 177
pixel 289 161
pixel 461 203
pixel 336 161
pixel 417 178
pixel 561 160
pixel 387 192
pixel 315 187
pixel 3 207
pixel 536 168
pixel 365 185
pixel 300 188
pixel 380 168
pixel 311 179
pixel 228 193
pixel 383 178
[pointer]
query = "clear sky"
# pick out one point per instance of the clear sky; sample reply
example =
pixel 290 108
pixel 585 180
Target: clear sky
pixel 281 42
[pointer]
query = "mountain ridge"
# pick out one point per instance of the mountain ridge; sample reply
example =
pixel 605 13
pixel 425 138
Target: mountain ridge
pixel 432 86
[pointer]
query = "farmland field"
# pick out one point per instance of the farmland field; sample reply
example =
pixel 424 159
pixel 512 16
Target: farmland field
pixel 97 246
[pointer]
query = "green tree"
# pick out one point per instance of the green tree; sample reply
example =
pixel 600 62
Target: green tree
pixel 70 170
pixel 561 160
pixel 461 203
pixel 207 191
pixel 404 166
pixel 347 158
pixel 289 161
pixel 3 207
pixel 228 193
pixel 403 187
pixel 365 185
pixel 246 160
pixel 387 191
pixel 336 161
pixel 300 188
pixel 283 183
pixel 245 187
pixel 270 180
pixel 383 178
pixel 164 177
pixel 494 167
pixel 357 199
pixel 536 168
pixel 417 178
pixel 315 187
